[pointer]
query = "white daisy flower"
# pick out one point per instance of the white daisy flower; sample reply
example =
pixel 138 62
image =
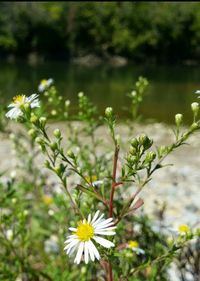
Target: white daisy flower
pixel 135 247
pixel 18 102
pixel 88 230
pixel 44 84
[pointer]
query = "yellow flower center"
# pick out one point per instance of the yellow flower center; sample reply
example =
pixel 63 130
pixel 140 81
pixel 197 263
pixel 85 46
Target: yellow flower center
pixel 133 244
pixel 47 200
pixel 91 178
pixel 184 228
pixel 44 82
pixel 85 231
pixel 20 99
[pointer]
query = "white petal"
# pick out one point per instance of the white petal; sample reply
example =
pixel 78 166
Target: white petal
pixel 197 92
pixel 86 254
pixel 95 216
pixel 98 220
pixel 94 249
pixel 105 232
pixel 89 218
pixel 35 103
pixel 72 229
pixel 71 244
pixel 14 113
pixel 31 98
pixel 104 242
pixel 79 253
pixel 101 226
pixel 90 250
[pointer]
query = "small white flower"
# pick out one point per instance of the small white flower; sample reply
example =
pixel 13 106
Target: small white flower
pixel 19 101
pixel 45 84
pixel 135 247
pixel 88 230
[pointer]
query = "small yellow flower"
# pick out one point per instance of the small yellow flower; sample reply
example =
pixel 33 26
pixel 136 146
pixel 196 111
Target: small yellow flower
pixel 183 228
pixel 133 244
pixel 48 200
pixel 91 178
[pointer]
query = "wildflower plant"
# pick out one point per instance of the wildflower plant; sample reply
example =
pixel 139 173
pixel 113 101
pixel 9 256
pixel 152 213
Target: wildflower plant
pixel 86 213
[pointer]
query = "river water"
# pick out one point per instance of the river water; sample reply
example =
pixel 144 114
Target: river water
pixel 171 89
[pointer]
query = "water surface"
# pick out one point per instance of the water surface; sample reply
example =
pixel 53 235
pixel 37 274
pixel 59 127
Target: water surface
pixel 171 88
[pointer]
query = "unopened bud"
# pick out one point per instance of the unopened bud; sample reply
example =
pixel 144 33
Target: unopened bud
pixel 194 126
pixel 109 112
pixel 32 133
pixel 178 119
pixel 150 156
pixel 195 108
pixel 70 154
pixel 34 119
pixel 134 142
pixel 43 120
pixel 80 95
pixel 54 112
pixel 57 133
pixel 67 103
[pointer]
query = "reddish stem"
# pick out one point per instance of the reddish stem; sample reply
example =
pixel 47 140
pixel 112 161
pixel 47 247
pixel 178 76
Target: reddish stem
pixel 110 275
pixel 113 181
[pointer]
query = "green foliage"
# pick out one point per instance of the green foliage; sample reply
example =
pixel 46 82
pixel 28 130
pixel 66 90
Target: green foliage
pixel 140 31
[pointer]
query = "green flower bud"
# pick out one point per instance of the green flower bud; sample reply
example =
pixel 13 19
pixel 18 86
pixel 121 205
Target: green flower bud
pixel 39 140
pixel 150 156
pixel 133 94
pixel 57 133
pixel 50 100
pixel 53 146
pixel 178 119
pixel 109 112
pixel 47 164
pixel 145 141
pixel 70 154
pixel 54 112
pixel 80 95
pixel 34 119
pixel 194 126
pixel 134 142
pixel 131 159
pixel 59 169
pixel 195 107
pixel 43 120
pixel 32 133
pixel 67 103
pixel 132 150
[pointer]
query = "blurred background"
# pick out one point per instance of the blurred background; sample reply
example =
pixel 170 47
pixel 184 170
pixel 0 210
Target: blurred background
pixel 101 49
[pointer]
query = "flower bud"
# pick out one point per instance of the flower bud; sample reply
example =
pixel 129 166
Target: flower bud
pixel 178 119
pixel 32 133
pixel 67 103
pixel 109 112
pixel 134 142
pixel 70 154
pixel 150 156
pixel 133 93
pixel 34 119
pixel 194 126
pixel 145 141
pixel 50 100
pixel 53 146
pixel 54 112
pixel 57 133
pixel 43 120
pixel 195 106
pixel 132 150
pixel 80 95
pixel 39 140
